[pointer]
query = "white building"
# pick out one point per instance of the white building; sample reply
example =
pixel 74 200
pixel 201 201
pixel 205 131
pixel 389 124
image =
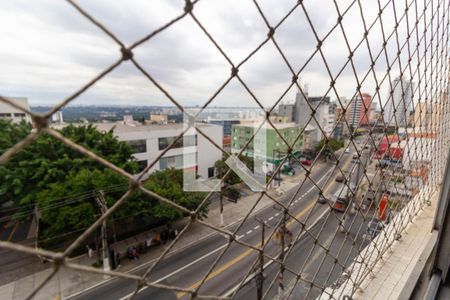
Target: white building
pixel 57 117
pixel 192 151
pixel 8 112
pixel 399 106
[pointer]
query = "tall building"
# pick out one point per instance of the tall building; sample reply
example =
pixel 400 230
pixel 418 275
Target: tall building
pixel 359 110
pixel 296 111
pixel 322 116
pixel 8 112
pixel 399 103
pixel 300 111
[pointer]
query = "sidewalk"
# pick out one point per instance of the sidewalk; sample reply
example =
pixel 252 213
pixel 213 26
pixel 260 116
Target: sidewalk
pixel 68 282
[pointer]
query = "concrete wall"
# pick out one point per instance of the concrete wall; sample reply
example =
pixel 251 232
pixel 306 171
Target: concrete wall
pixel 207 154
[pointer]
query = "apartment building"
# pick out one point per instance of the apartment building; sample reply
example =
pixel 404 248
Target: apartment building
pixel 399 103
pixel 359 110
pixel 274 146
pixel 8 112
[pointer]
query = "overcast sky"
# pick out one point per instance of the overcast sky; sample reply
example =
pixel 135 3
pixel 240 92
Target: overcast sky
pixel 49 50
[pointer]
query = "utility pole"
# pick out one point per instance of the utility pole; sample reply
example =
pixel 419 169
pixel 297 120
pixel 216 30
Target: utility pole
pixel 221 206
pixel 105 253
pixel 260 275
pixel 282 230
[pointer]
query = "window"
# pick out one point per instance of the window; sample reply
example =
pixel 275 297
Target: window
pixel 19 115
pixel 5 115
pixel 185 141
pixel 178 161
pixel 210 172
pixel 138 146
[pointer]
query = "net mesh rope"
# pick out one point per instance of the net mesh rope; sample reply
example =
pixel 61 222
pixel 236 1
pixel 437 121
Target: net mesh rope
pixel 419 32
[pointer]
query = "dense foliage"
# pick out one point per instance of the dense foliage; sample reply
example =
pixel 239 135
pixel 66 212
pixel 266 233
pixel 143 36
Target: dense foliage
pixel 63 183
pixel 330 147
pixel 232 178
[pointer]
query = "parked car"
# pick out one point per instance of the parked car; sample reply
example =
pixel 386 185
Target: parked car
pixel 374 228
pixel 288 170
pixel 306 162
pixel 347 150
pixel 355 156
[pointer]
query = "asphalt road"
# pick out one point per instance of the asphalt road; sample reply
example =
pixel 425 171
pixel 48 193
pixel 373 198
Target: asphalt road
pixel 187 268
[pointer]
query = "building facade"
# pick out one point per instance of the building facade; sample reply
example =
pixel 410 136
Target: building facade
pixel 13 114
pixel 301 110
pixel 274 147
pixel 359 110
pixel 399 103
pixel 225 123
pixel 192 151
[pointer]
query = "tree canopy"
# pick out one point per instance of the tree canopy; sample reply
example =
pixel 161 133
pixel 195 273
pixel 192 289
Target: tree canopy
pixel 64 183
pixel 332 145
pixel 232 178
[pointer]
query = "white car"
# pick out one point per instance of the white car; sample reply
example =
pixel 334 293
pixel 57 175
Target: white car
pixel 347 150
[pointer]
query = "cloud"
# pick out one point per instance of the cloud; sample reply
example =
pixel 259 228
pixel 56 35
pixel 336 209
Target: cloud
pixel 52 50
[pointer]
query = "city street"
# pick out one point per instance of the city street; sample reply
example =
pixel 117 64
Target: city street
pixel 188 267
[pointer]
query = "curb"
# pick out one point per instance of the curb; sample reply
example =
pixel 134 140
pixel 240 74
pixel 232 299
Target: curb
pixel 171 253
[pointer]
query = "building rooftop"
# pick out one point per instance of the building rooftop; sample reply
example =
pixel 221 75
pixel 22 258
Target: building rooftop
pixel 309 127
pixel 120 127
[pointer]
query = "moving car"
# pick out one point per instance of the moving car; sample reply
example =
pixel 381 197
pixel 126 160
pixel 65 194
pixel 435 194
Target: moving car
pixel 321 199
pixel 340 178
pixel 347 150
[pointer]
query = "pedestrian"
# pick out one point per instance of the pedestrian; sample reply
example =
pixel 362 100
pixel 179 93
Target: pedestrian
pixel 157 238
pixel 112 258
pixel 134 253
pixel 90 251
pixel 118 259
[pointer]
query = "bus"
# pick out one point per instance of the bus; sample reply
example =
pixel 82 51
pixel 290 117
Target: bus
pixel 341 199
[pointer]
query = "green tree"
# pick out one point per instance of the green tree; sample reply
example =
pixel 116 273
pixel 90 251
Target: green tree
pixel 330 147
pixel 47 161
pixel 63 183
pixel 232 178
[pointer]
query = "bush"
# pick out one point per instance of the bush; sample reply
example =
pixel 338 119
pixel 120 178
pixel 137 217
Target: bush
pixel 231 193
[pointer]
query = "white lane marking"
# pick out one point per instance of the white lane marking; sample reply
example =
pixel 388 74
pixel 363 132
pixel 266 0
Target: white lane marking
pixel 216 250
pixel 178 270
pixel 239 236
pixel 267 264
pixel 256 227
pixel 248 232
